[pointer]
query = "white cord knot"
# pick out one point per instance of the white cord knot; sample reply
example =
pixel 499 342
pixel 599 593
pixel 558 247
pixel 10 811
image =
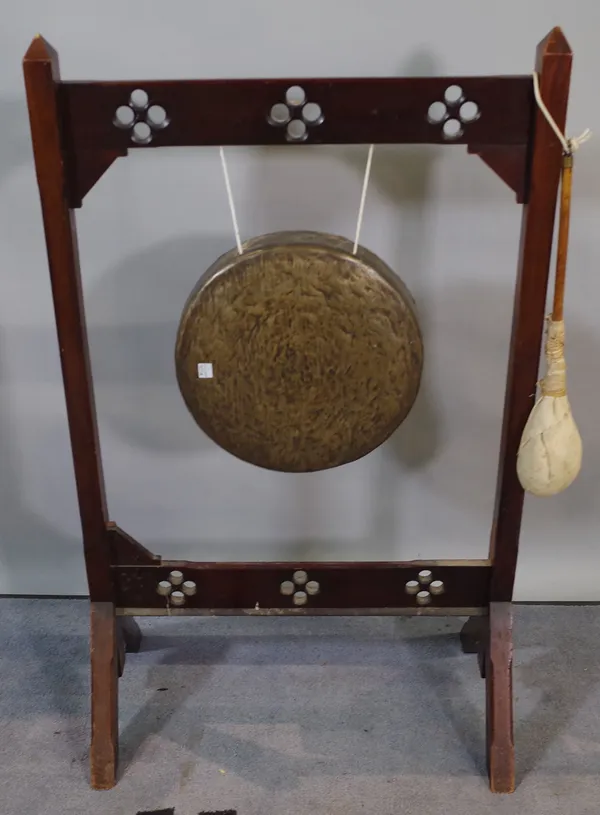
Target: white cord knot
pixel 569 145
pixel 576 142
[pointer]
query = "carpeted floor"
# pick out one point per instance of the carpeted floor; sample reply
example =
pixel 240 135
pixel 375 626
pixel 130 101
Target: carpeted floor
pixel 287 716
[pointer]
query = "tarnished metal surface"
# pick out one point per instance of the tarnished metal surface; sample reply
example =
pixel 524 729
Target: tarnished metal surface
pixel 310 357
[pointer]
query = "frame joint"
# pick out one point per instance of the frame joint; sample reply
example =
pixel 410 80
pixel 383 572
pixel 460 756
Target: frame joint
pixel 509 163
pixel 126 551
pixel 86 169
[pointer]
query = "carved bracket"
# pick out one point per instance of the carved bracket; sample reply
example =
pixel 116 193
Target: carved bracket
pixel 126 551
pixel 509 163
pixel 86 169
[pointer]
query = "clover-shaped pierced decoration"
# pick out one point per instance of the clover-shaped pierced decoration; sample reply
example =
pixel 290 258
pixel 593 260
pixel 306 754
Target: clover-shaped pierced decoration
pixel 424 587
pixel 296 114
pixel 301 587
pixel 453 113
pixel 176 596
pixel 141 118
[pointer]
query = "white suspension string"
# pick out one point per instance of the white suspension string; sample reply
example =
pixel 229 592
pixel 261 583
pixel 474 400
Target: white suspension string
pixel 361 209
pixel 363 198
pixel 236 228
pixel 569 145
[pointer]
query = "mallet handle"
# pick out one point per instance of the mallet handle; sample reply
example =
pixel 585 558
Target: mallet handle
pixel 563 237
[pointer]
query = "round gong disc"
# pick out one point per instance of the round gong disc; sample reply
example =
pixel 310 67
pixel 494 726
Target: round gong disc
pixel 298 355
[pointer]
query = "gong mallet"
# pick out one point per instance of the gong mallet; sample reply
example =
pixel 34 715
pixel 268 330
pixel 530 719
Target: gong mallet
pixel 549 456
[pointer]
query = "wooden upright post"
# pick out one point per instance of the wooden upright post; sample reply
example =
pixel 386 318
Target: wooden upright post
pixel 553 65
pixel 42 77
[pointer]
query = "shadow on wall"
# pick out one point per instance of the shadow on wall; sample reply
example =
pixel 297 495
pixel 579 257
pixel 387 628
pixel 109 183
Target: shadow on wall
pixel 476 355
pixel 134 313
pixel 133 318
pixel 133 366
pixel 403 175
pixel 25 538
pixel 15 147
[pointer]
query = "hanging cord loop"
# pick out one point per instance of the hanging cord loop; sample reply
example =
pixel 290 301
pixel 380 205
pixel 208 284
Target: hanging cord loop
pixel 363 198
pixel 236 229
pixel 569 145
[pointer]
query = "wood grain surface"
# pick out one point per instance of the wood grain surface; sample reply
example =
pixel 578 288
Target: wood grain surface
pixel 316 354
pixel 104 671
pixel 345 585
pixel 499 695
pixel 553 63
pixel 42 83
pixel 356 110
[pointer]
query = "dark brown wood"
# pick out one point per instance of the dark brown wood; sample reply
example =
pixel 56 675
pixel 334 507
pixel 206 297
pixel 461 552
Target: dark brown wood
pixel 104 696
pixel 75 140
pixel 553 64
pixel 509 164
pixel 499 695
pixel 562 245
pixel 126 551
pixel 354 110
pixel 315 353
pixel 341 585
pixel 86 169
pixel 41 71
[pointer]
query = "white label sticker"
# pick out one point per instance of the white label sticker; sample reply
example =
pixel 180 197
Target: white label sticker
pixel 205 370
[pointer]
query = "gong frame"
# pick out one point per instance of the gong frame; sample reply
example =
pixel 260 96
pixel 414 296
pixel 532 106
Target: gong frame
pixel 75 141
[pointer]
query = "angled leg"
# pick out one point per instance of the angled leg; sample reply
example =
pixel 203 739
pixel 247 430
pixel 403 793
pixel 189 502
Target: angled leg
pixel 499 718
pixel 105 683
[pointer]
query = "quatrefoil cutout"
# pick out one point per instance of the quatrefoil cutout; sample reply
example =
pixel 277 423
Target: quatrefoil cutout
pixel 424 587
pixel 176 589
pixel 296 114
pixel 141 118
pixel 300 587
pixel 454 113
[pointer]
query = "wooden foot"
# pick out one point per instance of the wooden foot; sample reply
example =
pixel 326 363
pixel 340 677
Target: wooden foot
pixel 499 724
pixel 104 668
pixel 129 639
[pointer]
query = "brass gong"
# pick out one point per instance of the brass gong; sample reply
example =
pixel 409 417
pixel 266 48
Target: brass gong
pixel 297 355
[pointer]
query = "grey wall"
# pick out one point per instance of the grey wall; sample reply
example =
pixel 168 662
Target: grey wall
pixel 157 220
